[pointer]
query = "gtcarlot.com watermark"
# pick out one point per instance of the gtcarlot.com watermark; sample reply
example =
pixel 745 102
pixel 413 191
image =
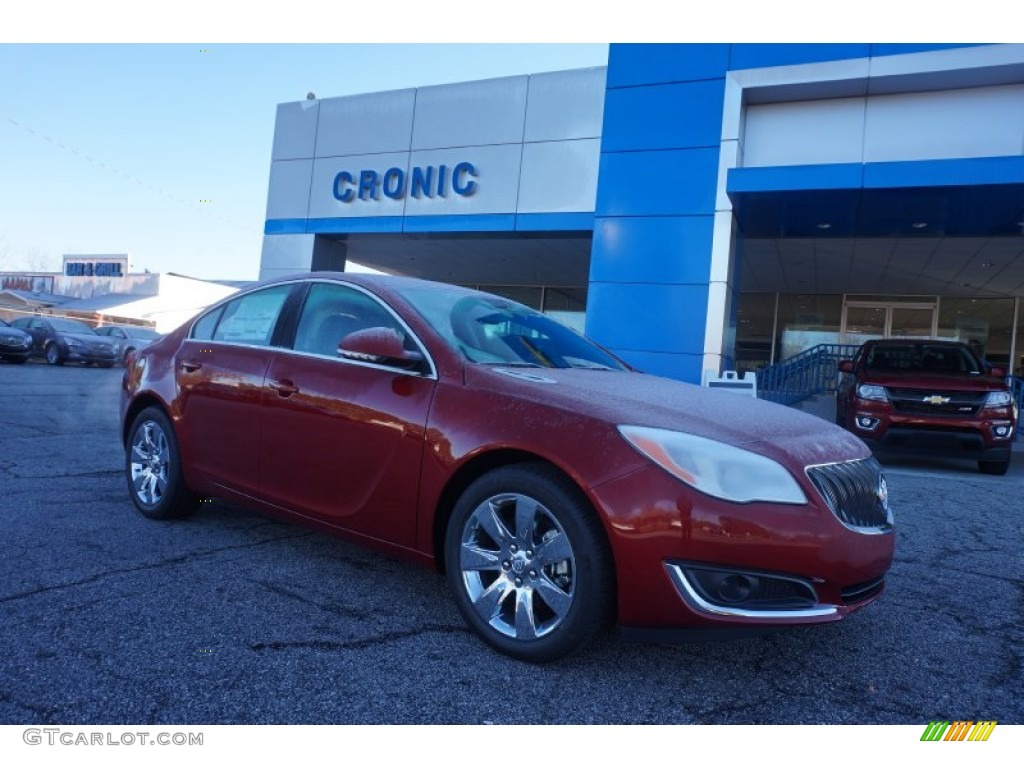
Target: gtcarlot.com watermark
pixel 72 738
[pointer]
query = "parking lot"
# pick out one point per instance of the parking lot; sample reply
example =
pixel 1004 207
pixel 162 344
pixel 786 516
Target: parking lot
pixel 228 617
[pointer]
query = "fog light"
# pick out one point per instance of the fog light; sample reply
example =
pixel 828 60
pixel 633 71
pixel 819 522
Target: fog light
pixel 736 588
pixel 1003 430
pixel 867 422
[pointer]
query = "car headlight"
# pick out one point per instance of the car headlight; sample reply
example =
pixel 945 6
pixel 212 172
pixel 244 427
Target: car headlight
pixel 998 400
pixel 872 392
pixel 714 468
pixel 74 343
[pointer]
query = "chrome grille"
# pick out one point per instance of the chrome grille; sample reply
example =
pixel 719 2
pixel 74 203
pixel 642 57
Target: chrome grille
pixel 855 492
pixel 919 401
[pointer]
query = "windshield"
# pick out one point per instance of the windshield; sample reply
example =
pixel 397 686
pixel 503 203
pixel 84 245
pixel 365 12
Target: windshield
pixel 70 326
pixel 495 331
pixel 942 359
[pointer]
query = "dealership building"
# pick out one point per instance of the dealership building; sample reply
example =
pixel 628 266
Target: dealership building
pixel 691 207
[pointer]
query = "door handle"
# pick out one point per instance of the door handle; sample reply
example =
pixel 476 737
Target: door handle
pixel 190 367
pixel 284 388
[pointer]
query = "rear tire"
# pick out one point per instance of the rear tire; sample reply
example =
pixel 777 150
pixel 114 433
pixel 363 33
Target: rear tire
pixel 153 468
pixel 994 467
pixel 528 563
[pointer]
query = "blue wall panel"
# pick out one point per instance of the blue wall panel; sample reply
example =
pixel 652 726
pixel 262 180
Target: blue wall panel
pixel 645 63
pixel 649 318
pixel 829 176
pixel 664 116
pixel 894 49
pixel 671 366
pixel 664 183
pixel 756 55
pixel 671 249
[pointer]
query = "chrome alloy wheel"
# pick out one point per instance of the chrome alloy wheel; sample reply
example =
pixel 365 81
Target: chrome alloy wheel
pixel 518 566
pixel 150 460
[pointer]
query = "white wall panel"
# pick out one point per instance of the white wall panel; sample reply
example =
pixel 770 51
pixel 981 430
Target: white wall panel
pixel 497 181
pixel 804 133
pixel 288 196
pixel 559 176
pixel 566 105
pixel 470 114
pixel 973 122
pixel 365 124
pixel 283 254
pixel 295 130
pixel 323 204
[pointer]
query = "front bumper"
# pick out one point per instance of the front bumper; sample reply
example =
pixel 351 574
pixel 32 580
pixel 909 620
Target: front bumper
pixel 80 355
pixel 658 526
pixel 971 438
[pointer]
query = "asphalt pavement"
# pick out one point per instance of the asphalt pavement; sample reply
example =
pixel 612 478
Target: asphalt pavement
pixel 228 617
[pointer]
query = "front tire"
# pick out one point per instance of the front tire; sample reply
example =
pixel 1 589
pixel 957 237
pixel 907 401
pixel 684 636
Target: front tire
pixel 153 468
pixel 529 564
pixel 53 355
pixel 994 467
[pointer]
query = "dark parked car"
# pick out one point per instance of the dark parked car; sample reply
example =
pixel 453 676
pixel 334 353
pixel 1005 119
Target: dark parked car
pixel 15 344
pixel 928 397
pixel 559 490
pixel 130 337
pixel 61 340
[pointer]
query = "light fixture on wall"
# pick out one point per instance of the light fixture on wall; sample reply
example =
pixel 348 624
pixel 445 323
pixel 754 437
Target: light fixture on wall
pixel 824 225
pixel 919 224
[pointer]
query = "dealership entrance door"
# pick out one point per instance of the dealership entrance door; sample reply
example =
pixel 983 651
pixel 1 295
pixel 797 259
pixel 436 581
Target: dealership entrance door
pixel 863 320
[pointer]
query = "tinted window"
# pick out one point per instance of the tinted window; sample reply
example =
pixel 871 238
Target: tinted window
pixel 70 326
pixel 922 358
pixel 250 319
pixel 203 329
pixel 331 312
pixel 488 329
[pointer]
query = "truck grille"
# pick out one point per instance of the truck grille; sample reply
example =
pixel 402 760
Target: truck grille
pixel 930 403
pixel 855 491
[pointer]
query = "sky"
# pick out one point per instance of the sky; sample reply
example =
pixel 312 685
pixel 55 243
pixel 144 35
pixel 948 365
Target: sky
pixel 163 151
pixel 124 129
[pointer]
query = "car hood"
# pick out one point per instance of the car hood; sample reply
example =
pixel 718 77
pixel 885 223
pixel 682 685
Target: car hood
pixel 934 382
pixel 90 339
pixel 651 401
pixel 14 333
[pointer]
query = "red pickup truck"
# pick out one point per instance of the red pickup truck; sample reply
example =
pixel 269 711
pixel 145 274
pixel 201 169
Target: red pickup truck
pixel 928 397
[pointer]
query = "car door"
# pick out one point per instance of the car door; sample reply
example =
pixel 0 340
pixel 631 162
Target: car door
pixel 220 372
pixel 37 330
pixel 343 440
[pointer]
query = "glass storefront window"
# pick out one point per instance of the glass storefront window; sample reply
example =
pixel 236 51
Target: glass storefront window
pixel 985 324
pixel 755 324
pixel 806 321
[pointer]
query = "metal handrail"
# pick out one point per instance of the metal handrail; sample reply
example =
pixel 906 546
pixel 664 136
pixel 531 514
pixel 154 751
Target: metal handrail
pixel 812 372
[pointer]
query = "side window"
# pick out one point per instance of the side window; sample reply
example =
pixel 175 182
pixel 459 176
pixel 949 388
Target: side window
pixel 203 328
pixel 250 319
pixel 331 312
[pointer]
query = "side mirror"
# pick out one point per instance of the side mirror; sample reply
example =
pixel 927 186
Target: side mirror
pixel 378 345
pixel 846 366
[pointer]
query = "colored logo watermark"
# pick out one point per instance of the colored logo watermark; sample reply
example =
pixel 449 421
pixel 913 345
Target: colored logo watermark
pixel 960 730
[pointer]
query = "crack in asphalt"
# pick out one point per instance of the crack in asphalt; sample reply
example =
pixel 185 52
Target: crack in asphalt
pixel 63 475
pixel 368 642
pixel 335 608
pixel 180 560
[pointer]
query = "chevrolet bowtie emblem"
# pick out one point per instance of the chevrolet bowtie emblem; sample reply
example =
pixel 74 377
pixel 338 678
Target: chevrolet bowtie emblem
pixel 936 400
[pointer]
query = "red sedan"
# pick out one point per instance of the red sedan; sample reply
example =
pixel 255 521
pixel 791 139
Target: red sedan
pixel 559 490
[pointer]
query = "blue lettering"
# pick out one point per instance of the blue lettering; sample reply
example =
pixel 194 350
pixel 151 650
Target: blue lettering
pixel 394 183
pixel 368 181
pixel 442 180
pixel 422 181
pixel 467 188
pixel 340 181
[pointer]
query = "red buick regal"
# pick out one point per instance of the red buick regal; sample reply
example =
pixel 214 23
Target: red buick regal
pixel 559 490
